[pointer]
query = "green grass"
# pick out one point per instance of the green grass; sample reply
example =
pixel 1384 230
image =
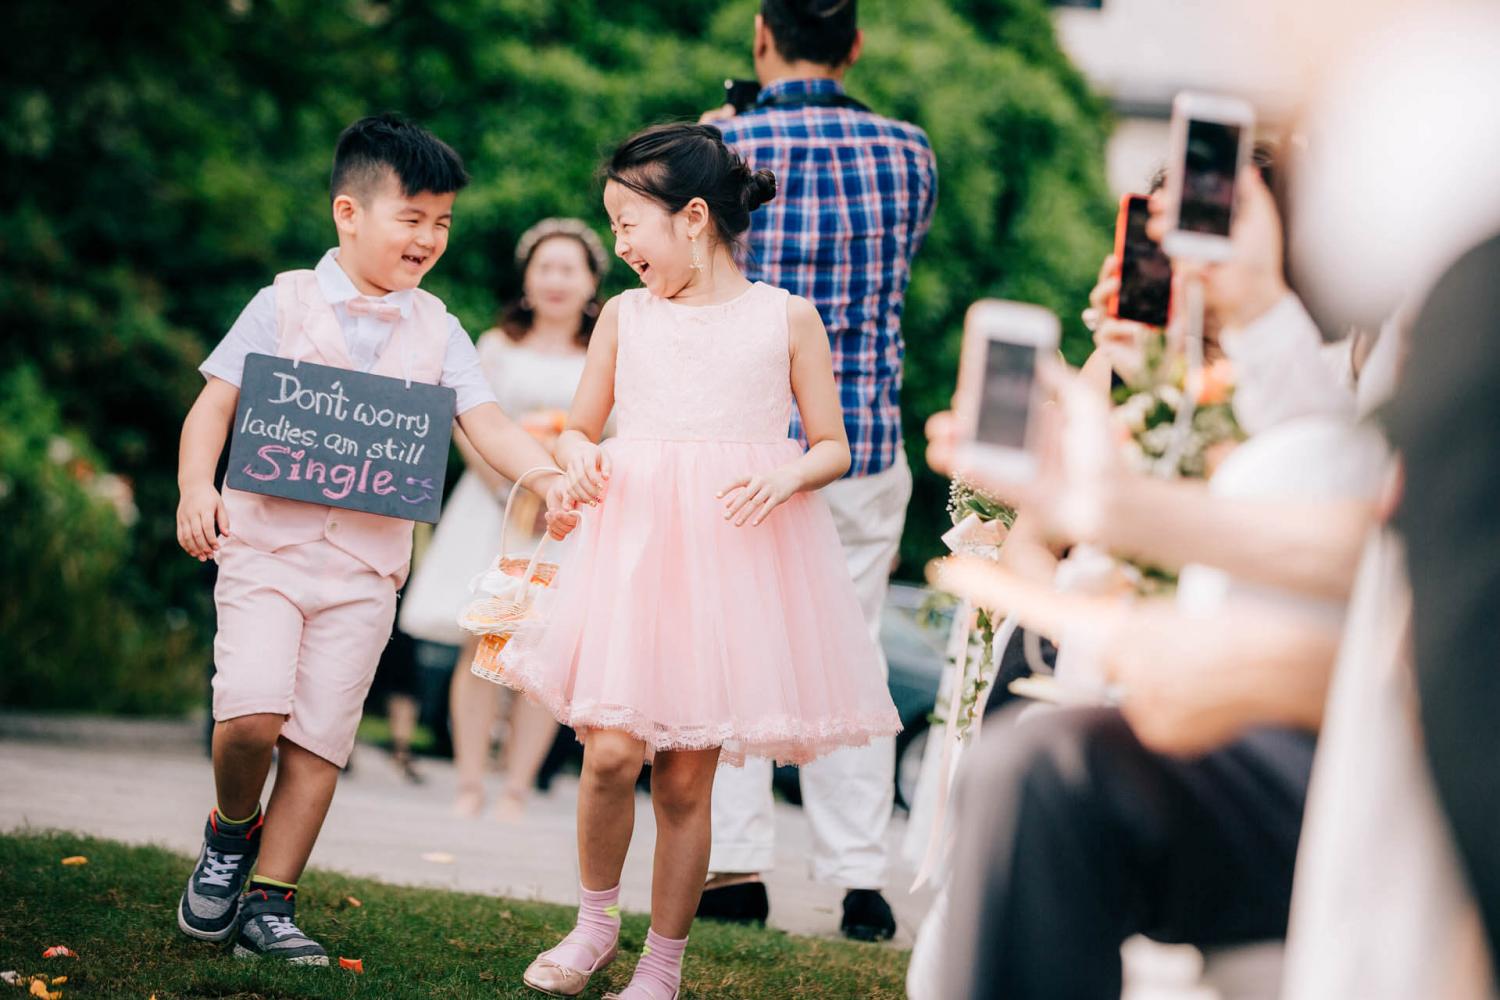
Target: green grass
pixel 118 912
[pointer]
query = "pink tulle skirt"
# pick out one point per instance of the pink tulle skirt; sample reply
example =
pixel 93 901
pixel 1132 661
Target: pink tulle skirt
pixel 671 624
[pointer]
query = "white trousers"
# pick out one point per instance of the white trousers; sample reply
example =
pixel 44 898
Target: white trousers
pixel 848 795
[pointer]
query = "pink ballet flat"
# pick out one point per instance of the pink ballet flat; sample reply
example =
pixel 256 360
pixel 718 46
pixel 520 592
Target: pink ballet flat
pixel 556 980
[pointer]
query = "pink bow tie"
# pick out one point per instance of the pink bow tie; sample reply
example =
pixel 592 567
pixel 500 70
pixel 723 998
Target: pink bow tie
pixel 361 306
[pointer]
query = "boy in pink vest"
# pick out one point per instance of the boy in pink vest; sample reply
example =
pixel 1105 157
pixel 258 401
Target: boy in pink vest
pixel 306 594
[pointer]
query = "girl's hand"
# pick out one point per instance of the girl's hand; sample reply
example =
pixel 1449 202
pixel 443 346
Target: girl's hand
pixel 199 512
pixel 562 510
pixel 588 470
pixel 758 495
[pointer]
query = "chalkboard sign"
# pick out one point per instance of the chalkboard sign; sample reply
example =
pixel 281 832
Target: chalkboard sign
pixel 341 438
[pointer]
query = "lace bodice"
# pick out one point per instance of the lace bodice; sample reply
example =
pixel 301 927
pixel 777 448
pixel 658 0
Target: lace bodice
pixel 704 373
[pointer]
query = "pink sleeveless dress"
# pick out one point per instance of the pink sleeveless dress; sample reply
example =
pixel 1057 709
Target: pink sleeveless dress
pixel 668 622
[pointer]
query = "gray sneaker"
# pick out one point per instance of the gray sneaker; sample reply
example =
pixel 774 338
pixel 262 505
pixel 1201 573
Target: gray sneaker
pixel 211 900
pixel 267 929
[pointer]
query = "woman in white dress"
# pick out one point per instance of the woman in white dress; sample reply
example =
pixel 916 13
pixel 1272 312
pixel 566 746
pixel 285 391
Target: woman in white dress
pixel 533 359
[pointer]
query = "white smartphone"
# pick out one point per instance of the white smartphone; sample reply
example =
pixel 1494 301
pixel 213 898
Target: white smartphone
pixel 1211 140
pixel 997 398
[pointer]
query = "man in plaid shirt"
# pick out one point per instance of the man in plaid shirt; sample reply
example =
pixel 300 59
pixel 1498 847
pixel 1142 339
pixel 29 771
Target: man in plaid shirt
pixel 855 197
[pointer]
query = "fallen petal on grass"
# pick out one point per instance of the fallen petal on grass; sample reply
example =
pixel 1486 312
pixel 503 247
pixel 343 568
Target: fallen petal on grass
pixel 39 989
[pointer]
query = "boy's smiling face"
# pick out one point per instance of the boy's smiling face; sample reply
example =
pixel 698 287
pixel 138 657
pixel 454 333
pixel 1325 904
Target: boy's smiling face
pixel 389 238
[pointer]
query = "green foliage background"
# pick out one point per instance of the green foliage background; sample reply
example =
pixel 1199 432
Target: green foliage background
pixel 162 161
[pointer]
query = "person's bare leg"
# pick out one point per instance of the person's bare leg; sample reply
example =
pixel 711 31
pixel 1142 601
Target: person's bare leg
pixel 473 706
pixel 682 783
pixel 294 816
pixel 606 818
pixel 242 759
pixel 606 805
pixel 401 713
pixel 532 730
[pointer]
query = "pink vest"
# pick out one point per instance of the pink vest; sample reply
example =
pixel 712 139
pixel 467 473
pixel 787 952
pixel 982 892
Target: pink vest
pixel 308 330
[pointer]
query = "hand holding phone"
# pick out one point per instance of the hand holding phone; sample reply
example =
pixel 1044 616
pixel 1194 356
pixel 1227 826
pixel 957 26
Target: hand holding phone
pixel 998 394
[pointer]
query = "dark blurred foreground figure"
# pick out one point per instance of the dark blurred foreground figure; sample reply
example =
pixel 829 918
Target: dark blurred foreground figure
pixel 1445 421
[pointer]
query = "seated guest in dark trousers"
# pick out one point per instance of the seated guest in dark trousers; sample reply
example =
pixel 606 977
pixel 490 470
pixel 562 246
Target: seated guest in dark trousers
pixel 1076 837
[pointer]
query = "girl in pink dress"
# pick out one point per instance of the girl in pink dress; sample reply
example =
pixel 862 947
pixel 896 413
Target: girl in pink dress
pixel 705 611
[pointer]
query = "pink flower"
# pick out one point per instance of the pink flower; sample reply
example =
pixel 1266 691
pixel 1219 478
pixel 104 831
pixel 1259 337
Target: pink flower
pixel 1218 383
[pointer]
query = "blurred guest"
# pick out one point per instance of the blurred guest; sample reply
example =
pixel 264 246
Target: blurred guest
pixel 856 198
pixel 1444 423
pixel 533 360
pixel 395 690
pixel 1083 826
pixel 1415 912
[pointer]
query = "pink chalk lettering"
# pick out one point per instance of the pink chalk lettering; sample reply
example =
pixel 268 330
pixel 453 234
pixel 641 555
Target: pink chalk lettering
pixel 267 453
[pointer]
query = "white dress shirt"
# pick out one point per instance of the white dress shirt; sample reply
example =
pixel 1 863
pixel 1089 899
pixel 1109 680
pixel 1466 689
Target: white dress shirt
pixel 1281 371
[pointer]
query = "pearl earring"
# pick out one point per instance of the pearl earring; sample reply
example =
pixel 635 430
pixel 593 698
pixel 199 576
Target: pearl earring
pixel 697 262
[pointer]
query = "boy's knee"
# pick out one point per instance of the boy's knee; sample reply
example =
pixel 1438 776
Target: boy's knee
pixel 249 733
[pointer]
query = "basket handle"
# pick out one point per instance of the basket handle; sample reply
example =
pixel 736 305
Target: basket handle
pixel 505 526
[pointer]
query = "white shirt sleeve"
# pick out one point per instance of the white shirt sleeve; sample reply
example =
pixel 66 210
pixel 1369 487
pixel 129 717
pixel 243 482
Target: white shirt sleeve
pixel 1281 372
pixel 253 333
pixel 462 371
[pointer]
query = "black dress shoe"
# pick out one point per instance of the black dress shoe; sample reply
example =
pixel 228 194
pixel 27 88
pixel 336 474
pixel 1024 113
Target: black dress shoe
pixel 744 903
pixel 867 916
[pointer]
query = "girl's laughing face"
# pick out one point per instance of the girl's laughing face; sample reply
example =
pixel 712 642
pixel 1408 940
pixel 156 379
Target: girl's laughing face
pixel 655 243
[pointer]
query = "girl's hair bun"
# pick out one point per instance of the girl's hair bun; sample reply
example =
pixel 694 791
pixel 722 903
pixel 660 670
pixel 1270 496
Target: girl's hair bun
pixel 759 189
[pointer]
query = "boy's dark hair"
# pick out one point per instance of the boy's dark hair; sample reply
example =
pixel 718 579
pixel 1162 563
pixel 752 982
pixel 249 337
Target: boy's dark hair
pixel 371 146
pixel 819 31
pixel 673 164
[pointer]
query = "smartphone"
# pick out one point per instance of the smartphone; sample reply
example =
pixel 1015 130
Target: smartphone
pixel 998 396
pixel 1211 138
pixel 741 94
pixel 1145 293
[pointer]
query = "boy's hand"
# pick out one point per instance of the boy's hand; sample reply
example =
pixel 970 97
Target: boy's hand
pixel 759 495
pixel 562 514
pixel 199 512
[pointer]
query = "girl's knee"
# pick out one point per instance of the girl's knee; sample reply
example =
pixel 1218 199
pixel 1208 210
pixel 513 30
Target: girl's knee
pixel 681 794
pixel 613 758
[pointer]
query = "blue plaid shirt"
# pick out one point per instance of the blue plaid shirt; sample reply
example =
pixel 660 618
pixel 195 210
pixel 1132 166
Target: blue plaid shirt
pixel 855 194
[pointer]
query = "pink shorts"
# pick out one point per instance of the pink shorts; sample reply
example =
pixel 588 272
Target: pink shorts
pixel 300 632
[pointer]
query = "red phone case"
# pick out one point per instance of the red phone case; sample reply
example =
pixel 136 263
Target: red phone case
pixel 1122 224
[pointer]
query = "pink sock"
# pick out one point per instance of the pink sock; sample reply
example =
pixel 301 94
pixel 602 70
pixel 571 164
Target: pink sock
pixel 597 930
pixel 658 974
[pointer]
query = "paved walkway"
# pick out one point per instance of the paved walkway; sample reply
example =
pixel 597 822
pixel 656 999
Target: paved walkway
pixel 148 782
